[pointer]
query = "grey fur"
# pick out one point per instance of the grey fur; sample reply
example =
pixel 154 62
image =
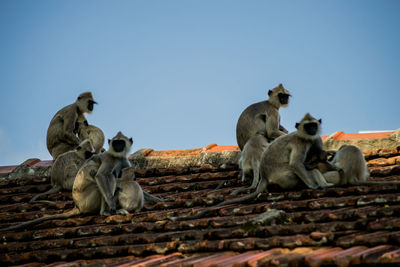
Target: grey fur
pixel 249 161
pixel 249 122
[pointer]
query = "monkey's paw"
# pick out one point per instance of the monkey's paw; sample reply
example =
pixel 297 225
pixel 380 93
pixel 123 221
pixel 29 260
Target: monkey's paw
pixel 122 212
pixel 327 185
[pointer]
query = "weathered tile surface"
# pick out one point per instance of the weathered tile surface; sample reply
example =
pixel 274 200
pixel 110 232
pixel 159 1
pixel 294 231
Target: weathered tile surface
pixel 338 226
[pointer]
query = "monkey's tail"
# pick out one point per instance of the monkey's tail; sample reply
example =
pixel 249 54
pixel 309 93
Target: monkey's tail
pixel 262 186
pixel 150 198
pixel 221 184
pixel 379 182
pixel 52 190
pixel 73 212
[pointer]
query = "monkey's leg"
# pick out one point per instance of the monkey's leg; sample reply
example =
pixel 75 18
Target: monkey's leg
pixel 61 148
pixel 256 179
pixel 69 179
pixel 285 178
pixel 332 177
pixel 89 200
pixel 319 178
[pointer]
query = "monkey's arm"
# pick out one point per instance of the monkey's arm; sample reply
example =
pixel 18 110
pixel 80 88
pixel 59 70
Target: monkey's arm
pixel 272 127
pixel 296 162
pixel 283 129
pixel 104 179
pixel 121 164
pixel 69 126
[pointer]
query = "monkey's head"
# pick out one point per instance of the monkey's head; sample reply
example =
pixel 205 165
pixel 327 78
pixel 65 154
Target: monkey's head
pixel 279 96
pixel 85 102
pixel 119 145
pixel 309 127
pixel 128 174
pixel 85 149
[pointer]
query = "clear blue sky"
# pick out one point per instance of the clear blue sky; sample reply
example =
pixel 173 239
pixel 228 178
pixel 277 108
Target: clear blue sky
pixel 177 74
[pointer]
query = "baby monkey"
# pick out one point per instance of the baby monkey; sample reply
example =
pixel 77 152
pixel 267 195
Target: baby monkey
pixel 129 193
pixel 91 132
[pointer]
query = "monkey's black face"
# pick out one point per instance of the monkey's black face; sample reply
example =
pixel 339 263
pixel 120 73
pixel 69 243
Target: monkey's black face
pixel 283 98
pixel 90 105
pixel 311 128
pixel 88 154
pixel 118 145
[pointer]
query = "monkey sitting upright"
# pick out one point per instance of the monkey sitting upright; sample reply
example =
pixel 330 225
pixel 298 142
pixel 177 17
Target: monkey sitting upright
pixel 65 168
pixel 249 161
pixel 94 187
pixel 97 177
pixel 91 132
pixel 129 193
pixel 249 123
pixel 282 163
pixel 350 160
pixel 60 134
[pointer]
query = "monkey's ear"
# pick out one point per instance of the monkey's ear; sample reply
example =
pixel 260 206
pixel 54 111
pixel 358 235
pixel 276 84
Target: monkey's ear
pixel 269 92
pixel 320 121
pixel 131 140
pixel 86 123
pixel 262 117
pixel 78 148
pixel 280 86
pixel 79 98
pixel 297 125
pixel 109 141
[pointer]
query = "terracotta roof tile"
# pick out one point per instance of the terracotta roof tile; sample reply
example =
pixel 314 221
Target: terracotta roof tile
pixel 337 226
pixel 351 136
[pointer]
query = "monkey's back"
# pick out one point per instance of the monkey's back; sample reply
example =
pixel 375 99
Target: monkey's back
pixel 55 137
pixel 247 125
pixel 65 168
pixel 252 152
pixel 130 195
pixel 350 159
pixel 96 137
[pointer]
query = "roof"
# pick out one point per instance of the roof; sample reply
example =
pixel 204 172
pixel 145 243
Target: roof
pixel 337 226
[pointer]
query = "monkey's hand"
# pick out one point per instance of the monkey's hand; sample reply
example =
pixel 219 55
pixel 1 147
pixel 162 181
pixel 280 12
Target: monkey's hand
pixel 113 206
pixel 283 129
pixel 71 139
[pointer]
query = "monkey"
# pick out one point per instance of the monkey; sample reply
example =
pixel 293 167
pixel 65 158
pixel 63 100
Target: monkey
pixel 91 132
pixel 117 172
pixel 66 166
pixel 60 136
pixel 248 124
pixel 350 160
pixel 351 168
pixel 282 164
pixel 249 161
pixel 94 186
pixel 129 193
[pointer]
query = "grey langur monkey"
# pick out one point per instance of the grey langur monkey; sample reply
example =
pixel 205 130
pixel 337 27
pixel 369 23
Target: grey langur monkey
pixel 60 136
pixel 249 124
pixel 65 168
